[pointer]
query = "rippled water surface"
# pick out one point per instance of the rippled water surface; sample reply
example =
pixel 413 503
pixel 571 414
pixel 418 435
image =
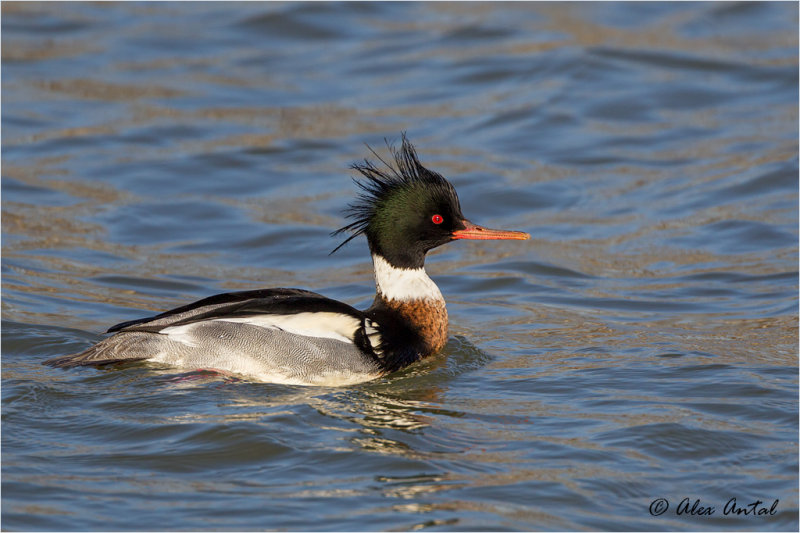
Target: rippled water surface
pixel 642 345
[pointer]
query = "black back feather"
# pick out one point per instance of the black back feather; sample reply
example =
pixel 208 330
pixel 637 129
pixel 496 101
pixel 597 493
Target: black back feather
pixel 380 183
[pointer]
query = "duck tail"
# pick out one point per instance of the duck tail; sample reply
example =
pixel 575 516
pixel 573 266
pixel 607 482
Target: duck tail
pixel 120 347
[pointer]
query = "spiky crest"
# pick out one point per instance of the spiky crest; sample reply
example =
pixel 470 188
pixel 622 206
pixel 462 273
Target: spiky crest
pixel 382 183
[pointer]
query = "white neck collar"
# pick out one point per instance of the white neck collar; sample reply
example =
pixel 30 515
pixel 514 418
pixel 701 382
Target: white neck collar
pixel 403 284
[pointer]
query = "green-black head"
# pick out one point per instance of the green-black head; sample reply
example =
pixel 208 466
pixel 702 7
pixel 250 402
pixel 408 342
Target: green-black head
pixel 405 210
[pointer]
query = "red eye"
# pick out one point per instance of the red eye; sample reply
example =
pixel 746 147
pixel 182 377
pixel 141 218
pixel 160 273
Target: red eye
pixel 437 219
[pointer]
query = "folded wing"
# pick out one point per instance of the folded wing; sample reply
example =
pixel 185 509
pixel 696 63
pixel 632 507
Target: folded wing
pixel 295 333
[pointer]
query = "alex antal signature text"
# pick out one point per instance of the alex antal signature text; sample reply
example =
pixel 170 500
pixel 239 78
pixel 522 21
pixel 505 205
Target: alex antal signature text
pixel 690 507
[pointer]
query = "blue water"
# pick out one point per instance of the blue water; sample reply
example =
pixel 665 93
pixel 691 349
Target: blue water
pixel 643 345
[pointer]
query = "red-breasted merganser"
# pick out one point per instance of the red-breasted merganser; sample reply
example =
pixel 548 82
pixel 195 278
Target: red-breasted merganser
pixel 295 336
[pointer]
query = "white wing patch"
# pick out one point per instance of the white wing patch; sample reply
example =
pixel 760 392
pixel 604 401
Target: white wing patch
pixel 327 325
pixel 182 334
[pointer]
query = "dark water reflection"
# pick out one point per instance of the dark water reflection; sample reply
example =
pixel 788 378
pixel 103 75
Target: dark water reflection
pixel 642 345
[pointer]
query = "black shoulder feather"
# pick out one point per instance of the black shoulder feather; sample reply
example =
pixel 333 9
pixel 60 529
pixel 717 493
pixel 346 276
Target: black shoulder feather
pixel 240 304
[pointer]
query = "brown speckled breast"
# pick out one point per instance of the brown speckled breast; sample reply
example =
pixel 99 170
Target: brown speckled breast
pixel 428 316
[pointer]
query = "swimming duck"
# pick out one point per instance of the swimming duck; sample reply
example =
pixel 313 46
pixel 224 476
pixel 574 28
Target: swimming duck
pixel 295 336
